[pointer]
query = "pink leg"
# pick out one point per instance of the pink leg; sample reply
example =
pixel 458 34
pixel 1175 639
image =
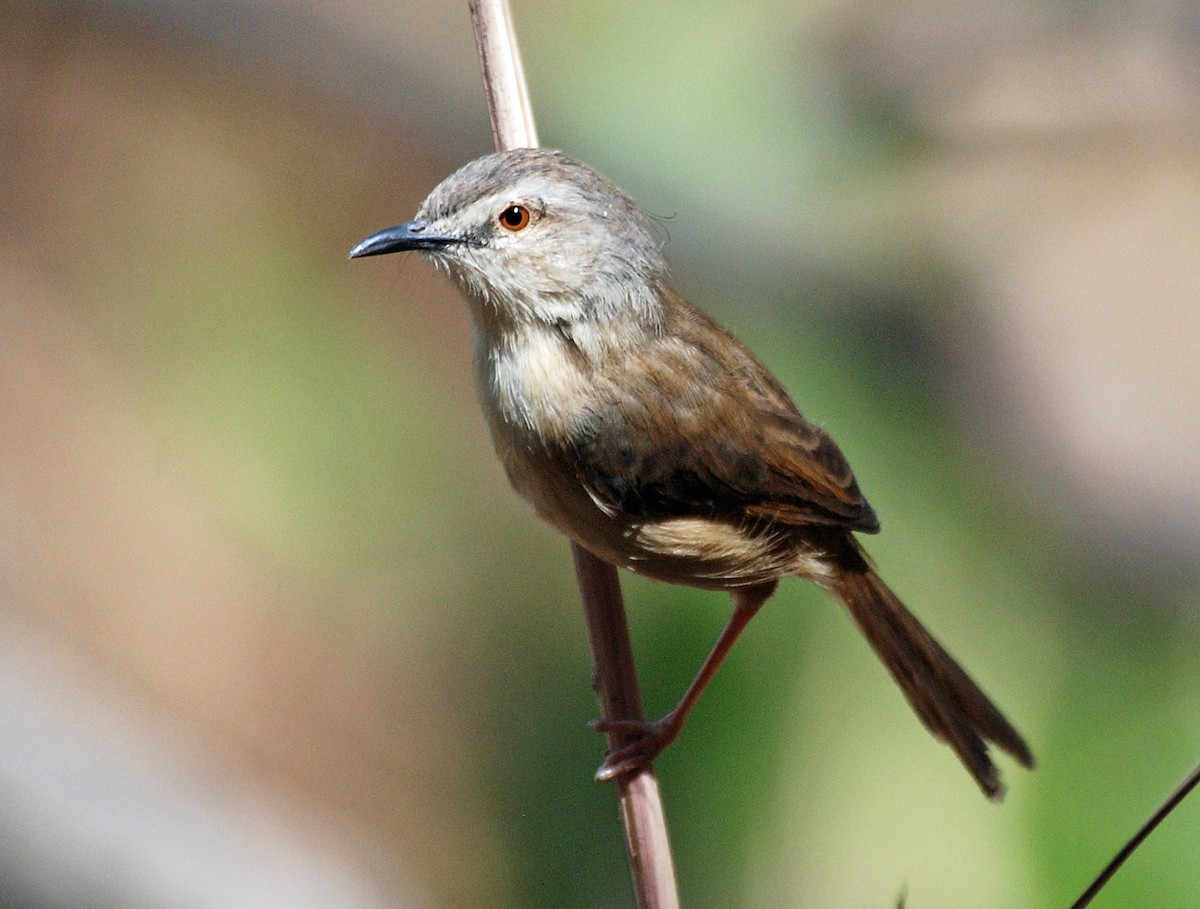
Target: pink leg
pixel 650 738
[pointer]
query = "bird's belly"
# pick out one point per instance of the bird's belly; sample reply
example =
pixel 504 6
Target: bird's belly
pixel 537 385
pixel 695 550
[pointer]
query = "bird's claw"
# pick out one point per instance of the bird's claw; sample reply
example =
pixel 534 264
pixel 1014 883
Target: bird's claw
pixel 644 742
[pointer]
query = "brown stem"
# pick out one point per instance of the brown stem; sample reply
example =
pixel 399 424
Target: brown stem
pixel 1181 792
pixel 503 75
pixel 646 839
pixel 617 688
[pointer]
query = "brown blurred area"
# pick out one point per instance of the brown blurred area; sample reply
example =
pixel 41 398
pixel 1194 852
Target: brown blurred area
pixel 1062 170
pixel 273 631
pixel 140 170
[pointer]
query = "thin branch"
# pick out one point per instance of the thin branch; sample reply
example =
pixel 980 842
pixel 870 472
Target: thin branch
pixel 1181 792
pixel 617 688
pixel 641 808
pixel 503 75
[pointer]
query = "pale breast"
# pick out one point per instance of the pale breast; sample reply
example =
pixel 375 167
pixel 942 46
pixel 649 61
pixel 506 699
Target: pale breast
pixel 540 395
pixel 534 380
pixel 532 388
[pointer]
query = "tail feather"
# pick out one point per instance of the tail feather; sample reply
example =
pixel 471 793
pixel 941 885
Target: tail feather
pixel 946 699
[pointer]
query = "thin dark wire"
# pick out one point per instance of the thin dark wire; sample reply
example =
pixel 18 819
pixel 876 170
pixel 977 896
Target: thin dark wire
pixel 1188 784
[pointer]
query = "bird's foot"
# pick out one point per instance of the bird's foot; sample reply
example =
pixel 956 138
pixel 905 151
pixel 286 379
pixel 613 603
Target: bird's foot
pixel 645 740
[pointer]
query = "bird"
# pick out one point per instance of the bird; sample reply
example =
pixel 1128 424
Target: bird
pixel 649 435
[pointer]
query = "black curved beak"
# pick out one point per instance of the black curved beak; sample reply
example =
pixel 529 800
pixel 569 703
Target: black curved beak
pixel 401 238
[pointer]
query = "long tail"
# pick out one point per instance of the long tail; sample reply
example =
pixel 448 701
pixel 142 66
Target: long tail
pixel 948 702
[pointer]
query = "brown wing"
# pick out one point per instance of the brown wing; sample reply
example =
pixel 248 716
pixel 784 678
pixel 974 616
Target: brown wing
pixel 695 425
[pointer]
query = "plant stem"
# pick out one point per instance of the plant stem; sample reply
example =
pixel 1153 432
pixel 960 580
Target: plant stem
pixel 646 840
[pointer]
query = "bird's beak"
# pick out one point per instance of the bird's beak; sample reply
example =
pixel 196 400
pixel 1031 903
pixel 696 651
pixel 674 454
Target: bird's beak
pixel 402 237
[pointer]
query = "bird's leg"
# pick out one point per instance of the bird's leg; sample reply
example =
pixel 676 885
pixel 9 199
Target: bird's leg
pixel 650 738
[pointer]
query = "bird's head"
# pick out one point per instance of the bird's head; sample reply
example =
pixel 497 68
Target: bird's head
pixel 532 235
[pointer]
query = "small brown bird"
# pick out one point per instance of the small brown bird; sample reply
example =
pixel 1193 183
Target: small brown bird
pixel 647 434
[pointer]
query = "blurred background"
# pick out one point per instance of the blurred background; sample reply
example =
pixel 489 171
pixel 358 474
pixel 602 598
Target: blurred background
pixel 273 629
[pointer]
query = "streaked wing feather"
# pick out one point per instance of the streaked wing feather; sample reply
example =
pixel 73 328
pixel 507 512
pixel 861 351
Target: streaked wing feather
pixel 701 428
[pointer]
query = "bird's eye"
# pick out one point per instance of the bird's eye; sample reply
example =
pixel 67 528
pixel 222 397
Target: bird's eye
pixel 514 218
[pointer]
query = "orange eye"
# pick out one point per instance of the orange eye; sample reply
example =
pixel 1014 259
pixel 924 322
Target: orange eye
pixel 514 218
